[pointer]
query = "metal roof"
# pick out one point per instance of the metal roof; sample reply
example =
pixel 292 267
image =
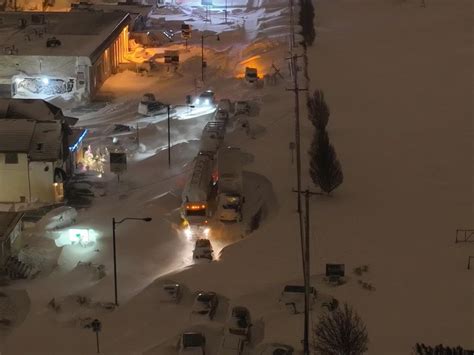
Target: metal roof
pixel 81 33
pixel 15 135
pixel 40 140
pixel 29 108
pixel 46 142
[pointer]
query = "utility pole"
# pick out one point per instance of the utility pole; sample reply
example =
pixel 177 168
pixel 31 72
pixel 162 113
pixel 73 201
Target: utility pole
pixel 203 63
pixel 169 137
pixel 202 58
pixel 225 12
pixel 96 328
pixel 307 268
pixel 115 261
pixel 292 27
pixel 138 138
pixel 297 90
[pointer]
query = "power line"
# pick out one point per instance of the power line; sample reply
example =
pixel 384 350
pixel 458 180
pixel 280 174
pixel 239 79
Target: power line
pixel 307 267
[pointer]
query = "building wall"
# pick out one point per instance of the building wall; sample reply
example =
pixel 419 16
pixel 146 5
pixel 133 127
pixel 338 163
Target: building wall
pixel 14 179
pixel 88 77
pixel 42 179
pixel 35 185
pixel 15 66
pixel 108 62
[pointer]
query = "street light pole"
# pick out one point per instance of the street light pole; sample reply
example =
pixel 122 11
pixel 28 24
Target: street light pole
pixel 169 138
pixel 115 261
pixel 114 223
pixel 202 58
pixel 225 12
pixel 202 53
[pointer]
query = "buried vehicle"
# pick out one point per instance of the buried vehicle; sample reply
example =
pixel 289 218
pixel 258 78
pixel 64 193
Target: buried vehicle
pixel 231 345
pixel 171 292
pixel 242 107
pixel 192 343
pixel 239 323
pixel 203 249
pixel 275 349
pixel 205 304
pixel 149 106
pixel 229 183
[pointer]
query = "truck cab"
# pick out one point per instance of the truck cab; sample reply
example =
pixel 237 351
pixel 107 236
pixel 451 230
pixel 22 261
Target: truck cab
pixel 251 75
pixel 195 207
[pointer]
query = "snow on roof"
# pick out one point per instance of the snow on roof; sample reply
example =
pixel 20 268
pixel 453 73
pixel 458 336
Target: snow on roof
pixel 29 108
pixel 80 33
pixel 35 109
pixel 15 135
pixel 39 139
pixel 201 177
pixel 133 9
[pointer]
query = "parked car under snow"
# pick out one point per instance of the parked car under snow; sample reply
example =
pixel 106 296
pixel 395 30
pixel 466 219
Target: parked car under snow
pixel 150 106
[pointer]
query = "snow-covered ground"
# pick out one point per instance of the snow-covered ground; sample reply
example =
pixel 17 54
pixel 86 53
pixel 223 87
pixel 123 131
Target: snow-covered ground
pixel 398 80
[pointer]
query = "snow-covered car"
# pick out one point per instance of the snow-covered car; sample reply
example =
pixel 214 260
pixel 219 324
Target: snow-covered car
pixel 242 107
pixel 229 207
pixel 275 349
pixel 231 345
pixel 293 297
pixel 192 343
pixel 207 98
pixel 205 304
pixel 171 293
pixel 239 323
pixel 203 249
pixel 221 115
pixel 150 106
pixel 59 217
pixel 225 104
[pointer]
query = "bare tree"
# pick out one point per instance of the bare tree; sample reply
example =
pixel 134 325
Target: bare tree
pixel 324 167
pixel 318 110
pixel 341 332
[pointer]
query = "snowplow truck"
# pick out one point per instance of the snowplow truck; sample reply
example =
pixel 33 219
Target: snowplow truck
pixel 229 183
pixel 251 75
pixel 195 207
pixel 211 138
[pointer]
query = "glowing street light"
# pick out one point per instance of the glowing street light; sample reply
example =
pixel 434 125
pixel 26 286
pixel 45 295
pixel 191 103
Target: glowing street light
pixel 146 219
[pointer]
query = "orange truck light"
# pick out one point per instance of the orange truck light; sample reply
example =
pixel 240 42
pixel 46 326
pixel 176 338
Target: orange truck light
pixel 195 207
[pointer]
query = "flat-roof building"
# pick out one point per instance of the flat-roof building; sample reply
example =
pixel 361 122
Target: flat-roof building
pixel 49 54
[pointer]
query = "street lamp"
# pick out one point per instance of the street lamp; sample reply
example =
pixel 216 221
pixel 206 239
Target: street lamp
pixel 169 129
pixel 202 52
pixel 225 13
pixel 146 219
